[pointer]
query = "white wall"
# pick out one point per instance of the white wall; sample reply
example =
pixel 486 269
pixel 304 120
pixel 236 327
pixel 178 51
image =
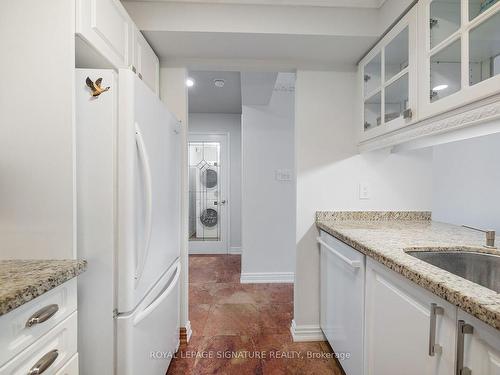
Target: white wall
pixel 466 180
pixel 173 93
pixel 226 123
pixel 390 11
pixel 268 205
pixel 329 172
pixel 36 145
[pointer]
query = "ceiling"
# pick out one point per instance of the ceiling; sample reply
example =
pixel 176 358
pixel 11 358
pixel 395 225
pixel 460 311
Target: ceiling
pixel 320 3
pixel 205 97
pixel 301 51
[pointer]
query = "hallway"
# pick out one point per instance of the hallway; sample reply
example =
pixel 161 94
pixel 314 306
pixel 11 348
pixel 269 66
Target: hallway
pixel 243 328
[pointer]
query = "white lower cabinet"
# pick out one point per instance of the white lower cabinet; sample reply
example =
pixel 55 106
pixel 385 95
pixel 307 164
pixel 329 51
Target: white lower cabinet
pixel 49 353
pixel 23 326
pixel 41 335
pixel 342 296
pixel 70 368
pixel 388 325
pixel 408 330
pixel 480 345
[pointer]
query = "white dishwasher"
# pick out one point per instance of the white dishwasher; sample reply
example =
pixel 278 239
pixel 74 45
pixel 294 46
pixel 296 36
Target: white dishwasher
pixel 342 294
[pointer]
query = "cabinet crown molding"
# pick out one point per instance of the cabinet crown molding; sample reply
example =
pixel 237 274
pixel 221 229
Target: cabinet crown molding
pixel 474 114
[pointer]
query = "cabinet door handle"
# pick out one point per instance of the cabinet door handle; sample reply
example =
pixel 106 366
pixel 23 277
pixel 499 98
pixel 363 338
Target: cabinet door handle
pixel 433 347
pixel 42 315
pixel 463 329
pixel 44 363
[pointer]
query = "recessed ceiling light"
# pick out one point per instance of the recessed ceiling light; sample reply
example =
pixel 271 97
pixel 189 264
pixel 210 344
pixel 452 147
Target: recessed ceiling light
pixel 219 83
pixel 189 82
pixel 440 87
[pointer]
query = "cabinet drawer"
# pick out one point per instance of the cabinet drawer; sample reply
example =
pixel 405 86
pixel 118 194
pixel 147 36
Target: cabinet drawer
pixel 16 335
pixel 62 338
pixel 342 248
pixel 70 368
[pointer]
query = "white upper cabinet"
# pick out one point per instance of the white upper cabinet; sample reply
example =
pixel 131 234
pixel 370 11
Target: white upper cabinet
pixel 146 62
pixel 106 26
pixel 459 53
pixel 387 76
pixel 439 62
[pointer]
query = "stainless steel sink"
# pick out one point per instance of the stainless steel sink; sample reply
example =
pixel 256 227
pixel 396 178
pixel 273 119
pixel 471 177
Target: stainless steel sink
pixel 482 269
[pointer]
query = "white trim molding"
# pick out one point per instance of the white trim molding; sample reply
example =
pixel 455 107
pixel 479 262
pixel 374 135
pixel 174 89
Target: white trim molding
pixel 207 251
pixel 189 331
pixel 306 332
pixel 473 114
pixel 235 250
pixel 374 4
pixel 267 277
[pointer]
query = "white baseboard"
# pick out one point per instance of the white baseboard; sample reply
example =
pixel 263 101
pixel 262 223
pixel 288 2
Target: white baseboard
pixel 235 250
pixel 267 277
pixel 189 331
pixel 200 250
pixel 306 332
pixel 206 252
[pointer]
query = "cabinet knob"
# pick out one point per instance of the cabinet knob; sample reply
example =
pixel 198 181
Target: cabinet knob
pixel 44 363
pixel 433 347
pixel 463 329
pixel 408 114
pixel 42 315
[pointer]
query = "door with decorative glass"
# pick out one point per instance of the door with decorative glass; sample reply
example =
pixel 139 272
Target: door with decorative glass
pixel 208 203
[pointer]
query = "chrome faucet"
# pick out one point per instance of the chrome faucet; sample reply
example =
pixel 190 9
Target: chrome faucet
pixel 490 236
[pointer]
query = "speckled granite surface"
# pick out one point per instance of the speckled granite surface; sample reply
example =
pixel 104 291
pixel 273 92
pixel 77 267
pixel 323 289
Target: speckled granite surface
pixel 23 280
pixel 386 237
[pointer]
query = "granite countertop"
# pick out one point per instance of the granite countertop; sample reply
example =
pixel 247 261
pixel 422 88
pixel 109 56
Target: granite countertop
pixel 23 280
pixel 385 236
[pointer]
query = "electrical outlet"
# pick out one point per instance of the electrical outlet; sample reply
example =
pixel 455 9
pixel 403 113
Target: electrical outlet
pixel 364 190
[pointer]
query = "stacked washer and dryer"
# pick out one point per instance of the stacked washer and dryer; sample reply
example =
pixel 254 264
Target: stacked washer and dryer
pixel 204 175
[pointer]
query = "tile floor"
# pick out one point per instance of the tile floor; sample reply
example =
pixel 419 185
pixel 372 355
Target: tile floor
pixel 243 328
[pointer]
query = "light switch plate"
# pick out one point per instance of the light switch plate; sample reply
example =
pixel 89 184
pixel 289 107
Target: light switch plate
pixel 364 190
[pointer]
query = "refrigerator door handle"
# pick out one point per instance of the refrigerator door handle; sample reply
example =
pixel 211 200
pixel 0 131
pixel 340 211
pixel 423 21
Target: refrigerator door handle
pixel 146 176
pixel 148 310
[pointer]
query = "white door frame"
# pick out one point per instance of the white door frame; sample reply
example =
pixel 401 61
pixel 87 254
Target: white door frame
pixel 222 246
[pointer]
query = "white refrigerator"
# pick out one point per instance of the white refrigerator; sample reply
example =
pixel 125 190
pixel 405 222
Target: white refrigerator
pixel 128 226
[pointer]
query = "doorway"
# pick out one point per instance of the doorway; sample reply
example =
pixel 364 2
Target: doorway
pixel 208 193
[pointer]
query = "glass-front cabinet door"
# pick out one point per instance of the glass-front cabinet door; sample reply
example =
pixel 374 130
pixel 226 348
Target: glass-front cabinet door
pixel 388 80
pixel 459 53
